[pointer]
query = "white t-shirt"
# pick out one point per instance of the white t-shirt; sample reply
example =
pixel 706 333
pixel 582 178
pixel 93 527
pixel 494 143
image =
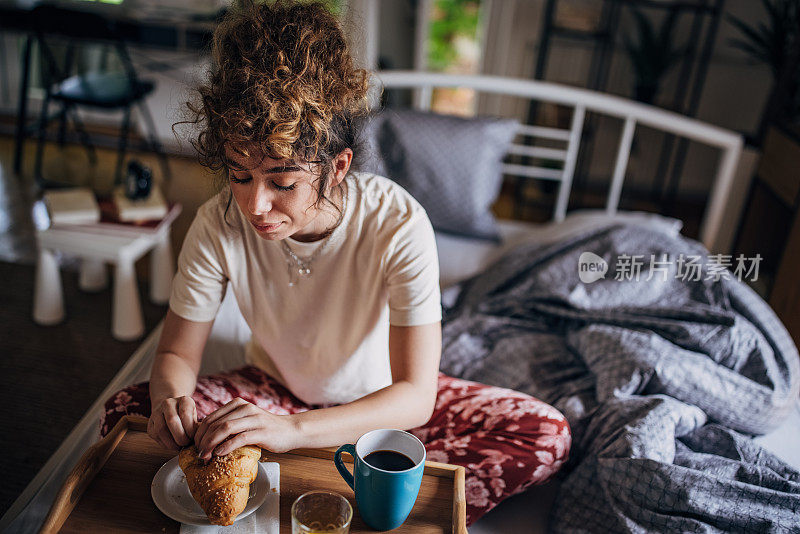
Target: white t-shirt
pixel 327 337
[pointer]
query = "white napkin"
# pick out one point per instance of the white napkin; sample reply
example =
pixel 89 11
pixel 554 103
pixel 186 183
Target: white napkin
pixel 264 520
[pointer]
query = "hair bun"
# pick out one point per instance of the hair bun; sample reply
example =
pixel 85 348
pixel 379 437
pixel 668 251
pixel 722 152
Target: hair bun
pixel 283 77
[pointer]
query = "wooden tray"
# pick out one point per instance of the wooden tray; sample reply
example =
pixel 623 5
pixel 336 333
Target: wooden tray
pixel 109 488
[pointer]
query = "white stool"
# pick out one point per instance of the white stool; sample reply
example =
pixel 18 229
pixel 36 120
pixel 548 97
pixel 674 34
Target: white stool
pixel 96 245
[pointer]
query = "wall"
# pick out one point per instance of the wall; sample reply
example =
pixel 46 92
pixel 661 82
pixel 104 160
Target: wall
pixel 396 35
pixel 733 96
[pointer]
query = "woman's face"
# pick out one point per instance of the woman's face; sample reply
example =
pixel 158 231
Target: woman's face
pixel 279 197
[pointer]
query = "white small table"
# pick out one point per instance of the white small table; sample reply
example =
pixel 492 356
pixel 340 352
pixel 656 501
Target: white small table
pixel 98 244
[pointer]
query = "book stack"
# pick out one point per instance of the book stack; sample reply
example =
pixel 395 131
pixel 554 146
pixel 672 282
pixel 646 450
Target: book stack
pixel 146 209
pixel 72 206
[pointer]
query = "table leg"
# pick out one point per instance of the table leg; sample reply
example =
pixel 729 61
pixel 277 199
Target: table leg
pixel 161 270
pixel 48 297
pixel 22 105
pixel 127 322
pixel 93 275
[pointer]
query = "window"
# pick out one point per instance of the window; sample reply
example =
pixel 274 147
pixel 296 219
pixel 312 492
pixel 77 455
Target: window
pixel 454 45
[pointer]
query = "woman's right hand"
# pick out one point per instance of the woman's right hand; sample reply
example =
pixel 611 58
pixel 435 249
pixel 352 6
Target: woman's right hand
pixel 173 422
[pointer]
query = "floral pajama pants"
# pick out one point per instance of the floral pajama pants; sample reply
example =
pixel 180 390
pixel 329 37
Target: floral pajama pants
pixel 505 440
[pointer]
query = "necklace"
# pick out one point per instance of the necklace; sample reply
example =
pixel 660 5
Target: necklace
pixel 300 268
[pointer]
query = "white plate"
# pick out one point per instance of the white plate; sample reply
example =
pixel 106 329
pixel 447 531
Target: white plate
pixel 172 496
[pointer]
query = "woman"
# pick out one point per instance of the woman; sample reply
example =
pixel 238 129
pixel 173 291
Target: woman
pixel 335 272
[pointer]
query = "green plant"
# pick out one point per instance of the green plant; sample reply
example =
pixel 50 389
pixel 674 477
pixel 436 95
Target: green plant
pixel 450 19
pixel 772 43
pixel 652 54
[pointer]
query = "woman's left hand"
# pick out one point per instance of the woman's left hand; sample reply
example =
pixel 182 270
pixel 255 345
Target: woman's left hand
pixel 241 423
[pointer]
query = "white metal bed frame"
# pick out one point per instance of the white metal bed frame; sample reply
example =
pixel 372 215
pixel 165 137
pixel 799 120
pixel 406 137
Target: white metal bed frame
pixel 582 100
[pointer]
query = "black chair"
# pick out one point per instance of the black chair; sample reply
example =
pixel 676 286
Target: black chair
pixel 69 85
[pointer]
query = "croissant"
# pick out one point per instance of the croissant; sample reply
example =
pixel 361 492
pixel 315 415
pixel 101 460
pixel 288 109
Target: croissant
pixel 221 485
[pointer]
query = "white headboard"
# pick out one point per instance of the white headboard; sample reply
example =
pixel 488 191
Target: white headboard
pixel 581 101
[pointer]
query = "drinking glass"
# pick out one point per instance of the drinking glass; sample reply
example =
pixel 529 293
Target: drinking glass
pixel 321 512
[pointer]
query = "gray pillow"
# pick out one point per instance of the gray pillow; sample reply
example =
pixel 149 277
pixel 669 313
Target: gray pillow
pixel 451 165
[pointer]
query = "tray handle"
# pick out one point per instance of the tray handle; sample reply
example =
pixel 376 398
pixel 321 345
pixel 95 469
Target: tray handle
pixel 83 473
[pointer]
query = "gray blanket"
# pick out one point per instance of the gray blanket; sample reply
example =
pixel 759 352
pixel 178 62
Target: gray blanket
pixel 662 382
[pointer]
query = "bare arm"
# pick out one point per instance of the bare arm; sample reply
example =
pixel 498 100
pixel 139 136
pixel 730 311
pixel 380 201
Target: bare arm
pixel 173 378
pixel 407 403
pixel 178 357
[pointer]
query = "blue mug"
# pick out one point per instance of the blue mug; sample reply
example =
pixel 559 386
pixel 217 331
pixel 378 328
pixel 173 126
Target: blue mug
pixel 385 496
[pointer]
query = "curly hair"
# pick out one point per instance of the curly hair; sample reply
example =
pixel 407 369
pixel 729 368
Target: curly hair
pixel 283 81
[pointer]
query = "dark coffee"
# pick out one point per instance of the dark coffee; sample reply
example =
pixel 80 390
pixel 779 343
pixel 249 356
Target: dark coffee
pixel 389 460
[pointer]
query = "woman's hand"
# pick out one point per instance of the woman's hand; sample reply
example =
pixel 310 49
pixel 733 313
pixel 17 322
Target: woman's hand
pixel 241 423
pixel 173 422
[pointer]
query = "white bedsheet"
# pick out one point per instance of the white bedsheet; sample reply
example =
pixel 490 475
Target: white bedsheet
pixel 459 258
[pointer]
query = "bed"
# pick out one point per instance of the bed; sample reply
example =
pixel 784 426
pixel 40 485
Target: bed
pixel 470 267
